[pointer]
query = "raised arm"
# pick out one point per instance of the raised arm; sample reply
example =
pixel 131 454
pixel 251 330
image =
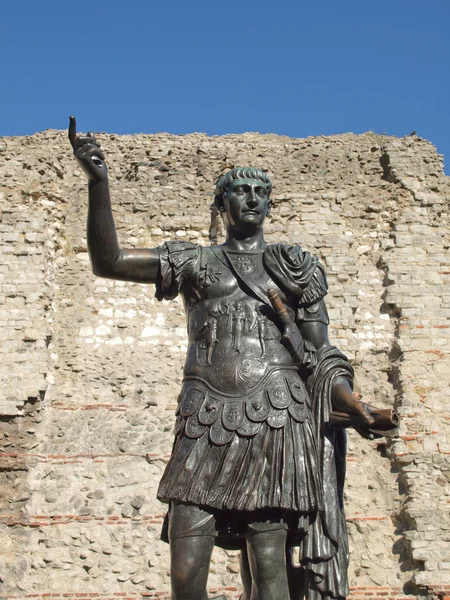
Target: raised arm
pixel 107 258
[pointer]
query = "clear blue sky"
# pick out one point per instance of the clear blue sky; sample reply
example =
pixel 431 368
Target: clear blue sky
pixel 292 67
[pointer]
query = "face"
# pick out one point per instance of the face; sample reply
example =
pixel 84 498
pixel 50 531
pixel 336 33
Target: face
pixel 246 204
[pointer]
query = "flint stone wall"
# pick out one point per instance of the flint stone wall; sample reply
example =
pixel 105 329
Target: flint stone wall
pixel 91 368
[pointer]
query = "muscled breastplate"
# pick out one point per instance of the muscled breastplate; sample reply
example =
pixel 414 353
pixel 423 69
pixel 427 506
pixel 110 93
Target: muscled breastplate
pixel 234 338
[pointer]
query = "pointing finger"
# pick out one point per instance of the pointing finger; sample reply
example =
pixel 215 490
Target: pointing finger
pixel 72 131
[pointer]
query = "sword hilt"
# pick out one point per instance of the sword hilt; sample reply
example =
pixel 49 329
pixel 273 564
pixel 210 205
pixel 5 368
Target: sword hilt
pixel 278 306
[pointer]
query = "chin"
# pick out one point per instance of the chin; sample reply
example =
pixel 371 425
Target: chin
pixel 249 219
pixel 249 228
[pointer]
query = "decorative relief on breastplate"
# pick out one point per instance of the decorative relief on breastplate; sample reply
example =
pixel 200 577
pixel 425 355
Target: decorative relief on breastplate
pixel 233 414
pixel 190 399
pixel 240 321
pixel 209 330
pixel 194 429
pixel 208 275
pixel 298 391
pixel 279 395
pixel 276 418
pixel 204 410
pixel 237 369
pixel 249 428
pixel 258 408
pixel 242 262
pixel 219 435
pixel 263 333
pixel 233 339
pixel 209 412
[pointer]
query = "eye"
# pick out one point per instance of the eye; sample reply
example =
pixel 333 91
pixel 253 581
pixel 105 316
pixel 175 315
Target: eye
pixel 239 190
pixel 261 191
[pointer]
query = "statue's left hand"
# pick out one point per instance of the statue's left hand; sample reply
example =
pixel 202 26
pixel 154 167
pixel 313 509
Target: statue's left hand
pixel 344 400
pixel 363 409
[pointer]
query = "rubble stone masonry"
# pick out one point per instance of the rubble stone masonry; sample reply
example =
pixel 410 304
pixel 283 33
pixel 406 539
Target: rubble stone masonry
pixel 91 368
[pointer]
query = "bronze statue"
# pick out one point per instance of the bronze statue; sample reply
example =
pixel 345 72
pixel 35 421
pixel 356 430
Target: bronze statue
pixel 258 462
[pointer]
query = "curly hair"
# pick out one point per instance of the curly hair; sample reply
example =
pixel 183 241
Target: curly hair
pixel 241 173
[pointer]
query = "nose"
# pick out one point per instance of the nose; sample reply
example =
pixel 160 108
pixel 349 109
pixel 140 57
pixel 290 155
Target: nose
pixel 252 199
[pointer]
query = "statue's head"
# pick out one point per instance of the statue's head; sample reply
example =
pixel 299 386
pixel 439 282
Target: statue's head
pixel 243 197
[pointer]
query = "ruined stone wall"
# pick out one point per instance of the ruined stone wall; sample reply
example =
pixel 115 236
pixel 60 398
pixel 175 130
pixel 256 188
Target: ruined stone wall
pixel 91 368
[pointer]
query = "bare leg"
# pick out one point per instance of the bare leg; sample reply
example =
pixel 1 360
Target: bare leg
pixel 267 559
pixel 189 566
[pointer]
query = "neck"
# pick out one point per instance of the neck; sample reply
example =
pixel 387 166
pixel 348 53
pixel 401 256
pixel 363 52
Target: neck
pixel 243 241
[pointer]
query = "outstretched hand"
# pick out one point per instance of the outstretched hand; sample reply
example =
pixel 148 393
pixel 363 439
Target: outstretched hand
pixel 87 152
pixel 363 409
pixel 344 400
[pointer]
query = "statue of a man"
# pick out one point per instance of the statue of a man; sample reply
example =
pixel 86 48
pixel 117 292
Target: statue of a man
pixel 255 464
